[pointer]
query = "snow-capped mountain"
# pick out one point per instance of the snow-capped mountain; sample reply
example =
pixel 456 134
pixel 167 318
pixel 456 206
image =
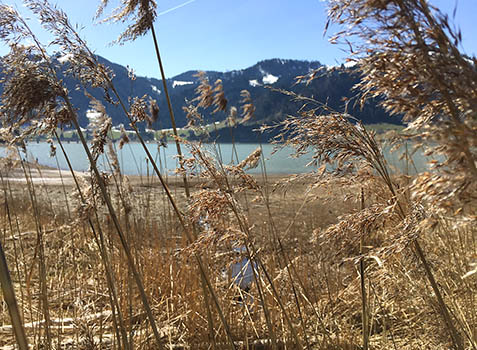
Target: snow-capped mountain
pixel 331 87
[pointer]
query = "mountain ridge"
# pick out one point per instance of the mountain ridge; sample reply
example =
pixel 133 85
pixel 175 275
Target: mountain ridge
pixel 331 87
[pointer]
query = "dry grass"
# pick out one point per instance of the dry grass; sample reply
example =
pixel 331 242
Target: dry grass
pixel 350 256
pixel 400 304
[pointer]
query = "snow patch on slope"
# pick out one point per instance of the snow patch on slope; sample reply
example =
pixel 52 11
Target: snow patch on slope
pixel 65 58
pixel 269 79
pixel 181 83
pixel 155 89
pixel 254 83
pixel 350 64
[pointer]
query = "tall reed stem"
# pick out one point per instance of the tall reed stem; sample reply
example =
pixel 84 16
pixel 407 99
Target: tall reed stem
pixel 171 112
pixel 9 296
pixel 456 338
pixel 364 299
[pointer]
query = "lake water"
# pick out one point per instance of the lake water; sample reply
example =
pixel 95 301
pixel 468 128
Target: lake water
pixel 133 159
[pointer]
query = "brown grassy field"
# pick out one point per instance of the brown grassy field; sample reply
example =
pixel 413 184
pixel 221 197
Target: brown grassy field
pixel 77 293
pixel 55 258
pixel 350 256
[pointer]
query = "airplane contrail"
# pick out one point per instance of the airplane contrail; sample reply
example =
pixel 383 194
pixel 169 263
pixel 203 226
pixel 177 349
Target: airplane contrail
pixel 175 8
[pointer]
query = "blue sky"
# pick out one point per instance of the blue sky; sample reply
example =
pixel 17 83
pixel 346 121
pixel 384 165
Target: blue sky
pixel 228 34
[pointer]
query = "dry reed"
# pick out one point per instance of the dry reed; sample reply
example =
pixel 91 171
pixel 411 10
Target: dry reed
pixel 352 255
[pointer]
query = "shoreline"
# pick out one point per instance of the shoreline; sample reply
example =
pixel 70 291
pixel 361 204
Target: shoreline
pixel 45 175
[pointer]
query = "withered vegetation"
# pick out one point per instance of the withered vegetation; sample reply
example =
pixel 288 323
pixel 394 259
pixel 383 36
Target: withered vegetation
pixel 352 255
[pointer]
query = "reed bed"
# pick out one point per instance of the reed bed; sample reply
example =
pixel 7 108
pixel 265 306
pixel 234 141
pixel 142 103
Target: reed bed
pixel 352 255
